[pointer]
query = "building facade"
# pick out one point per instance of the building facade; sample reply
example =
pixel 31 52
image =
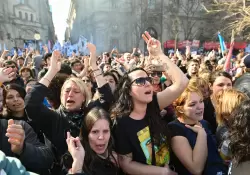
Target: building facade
pixel 21 19
pixel 106 23
pixel 120 23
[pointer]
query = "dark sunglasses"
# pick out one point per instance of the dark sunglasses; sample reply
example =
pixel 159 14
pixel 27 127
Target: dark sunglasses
pixel 13 67
pixel 86 81
pixel 142 81
pixel 158 74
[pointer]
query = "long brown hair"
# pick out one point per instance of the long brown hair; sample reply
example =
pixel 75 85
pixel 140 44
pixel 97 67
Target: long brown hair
pixel 124 105
pixel 88 122
pixel 6 112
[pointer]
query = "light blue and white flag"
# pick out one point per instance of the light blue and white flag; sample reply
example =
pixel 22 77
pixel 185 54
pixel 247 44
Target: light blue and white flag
pixel 57 46
pixel 222 43
pixel 19 52
pixel 25 46
pixel 82 44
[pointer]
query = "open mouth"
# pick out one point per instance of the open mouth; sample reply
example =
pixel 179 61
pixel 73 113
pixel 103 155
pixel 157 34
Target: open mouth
pixel 17 105
pixel 148 92
pixel 102 146
pixel 70 101
pixel 199 113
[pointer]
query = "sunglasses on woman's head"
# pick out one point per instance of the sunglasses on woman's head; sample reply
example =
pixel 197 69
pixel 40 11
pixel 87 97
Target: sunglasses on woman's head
pixel 86 81
pixel 154 74
pixel 13 67
pixel 142 81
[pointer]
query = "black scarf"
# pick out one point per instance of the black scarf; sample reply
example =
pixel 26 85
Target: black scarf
pixel 74 118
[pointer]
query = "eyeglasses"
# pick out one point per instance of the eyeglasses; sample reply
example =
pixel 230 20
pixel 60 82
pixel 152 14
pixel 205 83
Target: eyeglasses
pixel 13 67
pixel 86 81
pixel 142 81
pixel 158 74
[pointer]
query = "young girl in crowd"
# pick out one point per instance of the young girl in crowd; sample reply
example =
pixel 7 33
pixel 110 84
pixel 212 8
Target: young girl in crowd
pixel 194 149
pixel 140 134
pixel 92 152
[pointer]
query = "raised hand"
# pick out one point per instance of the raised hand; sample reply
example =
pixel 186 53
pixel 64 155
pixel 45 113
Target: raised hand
pixel 188 50
pixel 178 54
pixel 153 45
pixel 6 52
pixel 16 137
pixel 55 64
pixel 6 75
pixel 91 47
pixel 92 50
pixel 196 128
pixel 75 148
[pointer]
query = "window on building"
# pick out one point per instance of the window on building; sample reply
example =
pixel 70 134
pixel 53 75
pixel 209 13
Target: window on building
pixel 26 16
pixel 31 17
pixel 151 4
pixel 114 4
pixel 114 27
pixel 20 15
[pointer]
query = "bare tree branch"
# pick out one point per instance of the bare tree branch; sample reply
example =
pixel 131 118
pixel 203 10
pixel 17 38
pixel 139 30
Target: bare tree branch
pixel 236 13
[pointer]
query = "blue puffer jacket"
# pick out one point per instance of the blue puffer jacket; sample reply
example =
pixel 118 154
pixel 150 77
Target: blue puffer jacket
pixel 12 166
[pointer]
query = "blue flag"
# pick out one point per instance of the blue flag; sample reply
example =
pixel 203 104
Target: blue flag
pixel 222 43
pixel 25 46
pixel 57 46
pixel 19 52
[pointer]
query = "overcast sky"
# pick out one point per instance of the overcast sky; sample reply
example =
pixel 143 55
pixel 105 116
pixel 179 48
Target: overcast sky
pixel 60 9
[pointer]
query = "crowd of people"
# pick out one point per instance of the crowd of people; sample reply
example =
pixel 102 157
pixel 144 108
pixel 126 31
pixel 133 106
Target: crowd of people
pixel 125 113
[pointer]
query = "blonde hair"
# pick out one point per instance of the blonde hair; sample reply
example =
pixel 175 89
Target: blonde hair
pixel 180 102
pixel 198 82
pixel 205 75
pixel 82 86
pixel 226 101
pixel 203 68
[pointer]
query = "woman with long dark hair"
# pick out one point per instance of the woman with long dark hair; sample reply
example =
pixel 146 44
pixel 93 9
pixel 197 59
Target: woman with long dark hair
pixel 140 134
pixel 94 155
